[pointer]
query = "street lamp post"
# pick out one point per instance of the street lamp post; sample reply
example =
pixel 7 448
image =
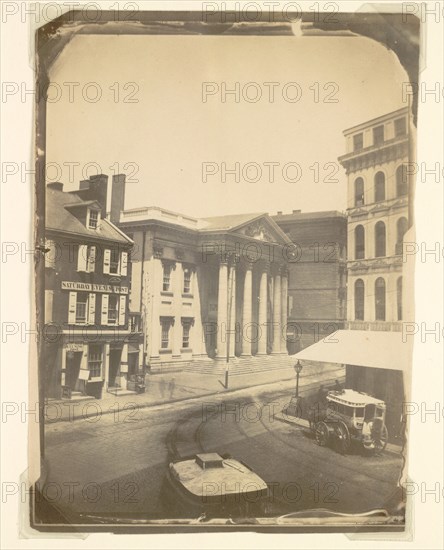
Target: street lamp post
pixel 294 407
pixel 298 369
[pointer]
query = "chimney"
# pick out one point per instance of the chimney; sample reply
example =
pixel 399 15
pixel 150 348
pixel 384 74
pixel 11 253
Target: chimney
pixel 98 190
pixel 117 197
pixel 57 185
pixel 279 213
pixel 296 211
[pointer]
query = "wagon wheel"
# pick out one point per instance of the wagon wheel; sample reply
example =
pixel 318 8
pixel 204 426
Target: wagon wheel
pixel 342 438
pixel 322 434
pixel 379 436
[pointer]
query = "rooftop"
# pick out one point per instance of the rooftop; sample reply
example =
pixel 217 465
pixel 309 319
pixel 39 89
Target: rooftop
pixel 59 217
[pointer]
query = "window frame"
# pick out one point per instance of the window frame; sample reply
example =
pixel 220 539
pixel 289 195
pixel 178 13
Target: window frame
pixel 96 220
pixel 111 298
pixel 376 137
pixel 380 239
pixel 95 361
pixel 380 300
pixel 357 313
pixel 358 137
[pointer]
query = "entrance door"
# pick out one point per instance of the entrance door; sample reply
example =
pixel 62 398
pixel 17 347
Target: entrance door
pixel 115 356
pixel 133 363
pixel 73 360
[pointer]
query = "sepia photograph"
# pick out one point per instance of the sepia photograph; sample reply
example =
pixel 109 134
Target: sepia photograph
pixel 224 269
pixel 224 282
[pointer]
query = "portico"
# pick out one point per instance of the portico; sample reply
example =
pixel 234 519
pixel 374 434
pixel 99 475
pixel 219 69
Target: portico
pixel 209 289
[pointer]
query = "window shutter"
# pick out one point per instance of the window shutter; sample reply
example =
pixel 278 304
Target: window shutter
pixel 106 260
pixel 72 308
pixel 123 263
pixel 92 309
pixel 122 308
pixel 105 299
pixel 81 257
pixel 92 259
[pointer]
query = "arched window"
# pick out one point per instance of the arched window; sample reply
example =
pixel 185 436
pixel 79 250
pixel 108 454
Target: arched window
pixel 401 228
pixel 401 181
pixel 359 300
pixel 359 242
pixel 379 187
pixel 380 299
pixel 380 239
pixel 359 192
pixel 399 297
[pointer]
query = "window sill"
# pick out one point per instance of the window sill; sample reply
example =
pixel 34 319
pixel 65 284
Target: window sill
pixel 165 351
pixel 166 293
pixel 187 295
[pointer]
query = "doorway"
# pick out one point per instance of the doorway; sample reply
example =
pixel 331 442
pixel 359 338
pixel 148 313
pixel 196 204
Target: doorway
pixel 73 360
pixel 115 356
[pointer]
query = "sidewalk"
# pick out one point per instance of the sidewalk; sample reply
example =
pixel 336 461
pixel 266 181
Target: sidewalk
pixel 182 387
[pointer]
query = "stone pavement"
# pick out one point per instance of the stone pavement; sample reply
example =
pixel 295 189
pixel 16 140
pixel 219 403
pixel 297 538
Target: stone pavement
pixel 181 387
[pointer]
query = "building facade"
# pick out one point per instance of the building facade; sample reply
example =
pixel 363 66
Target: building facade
pixel 376 160
pixel 377 209
pixel 91 344
pixel 317 294
pixel 208 289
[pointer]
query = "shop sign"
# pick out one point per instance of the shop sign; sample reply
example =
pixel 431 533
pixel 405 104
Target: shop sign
pixel 94 287
pixel 83 374
pixel 74 346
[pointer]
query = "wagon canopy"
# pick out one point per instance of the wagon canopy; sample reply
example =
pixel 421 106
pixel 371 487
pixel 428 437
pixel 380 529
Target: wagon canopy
pixel 365 348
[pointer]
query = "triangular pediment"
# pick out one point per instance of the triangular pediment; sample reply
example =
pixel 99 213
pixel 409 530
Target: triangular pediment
pixel 264 229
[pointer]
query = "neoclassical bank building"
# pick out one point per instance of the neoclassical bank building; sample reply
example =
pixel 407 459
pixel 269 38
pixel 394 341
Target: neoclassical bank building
pixel 208 289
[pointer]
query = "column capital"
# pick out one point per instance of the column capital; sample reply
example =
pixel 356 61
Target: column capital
pixel 265 266
pixel 276 268
pixel 230 258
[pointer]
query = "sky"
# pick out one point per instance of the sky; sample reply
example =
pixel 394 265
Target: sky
pixel 163 117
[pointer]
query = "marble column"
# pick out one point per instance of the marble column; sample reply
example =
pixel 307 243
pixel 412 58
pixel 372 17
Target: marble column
pixel 276 345
pixel 262 317
pixel 246 330
pixel 222 309
pixel 232 308
pixel 284 310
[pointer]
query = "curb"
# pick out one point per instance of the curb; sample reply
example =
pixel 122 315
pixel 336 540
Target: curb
pixel 154 404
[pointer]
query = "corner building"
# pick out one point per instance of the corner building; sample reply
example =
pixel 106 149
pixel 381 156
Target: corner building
pixel 377 210
pixel 92 345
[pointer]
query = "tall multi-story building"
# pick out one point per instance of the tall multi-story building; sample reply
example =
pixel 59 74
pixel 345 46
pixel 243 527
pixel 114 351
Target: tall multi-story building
pixel 379 187
pixel 91 344
pixel 317 295
pixel 377 210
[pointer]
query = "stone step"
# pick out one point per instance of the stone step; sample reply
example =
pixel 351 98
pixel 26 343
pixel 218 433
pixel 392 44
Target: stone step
pixel 240 366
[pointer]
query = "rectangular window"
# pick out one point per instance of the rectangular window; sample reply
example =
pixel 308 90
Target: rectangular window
pixel 186 335
pixel 95 361
pixel 400 127
pixel 378 135
pixel 91 259
pixel 93 219
pixel 358 142
pixel 81 308
pixel 113 309
pixel 165 338
pixel 187 281
pixel 114 261
pixel 166 277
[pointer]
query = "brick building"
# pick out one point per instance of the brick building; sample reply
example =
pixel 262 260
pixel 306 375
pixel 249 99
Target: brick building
pixel 91 344
pixel 317 294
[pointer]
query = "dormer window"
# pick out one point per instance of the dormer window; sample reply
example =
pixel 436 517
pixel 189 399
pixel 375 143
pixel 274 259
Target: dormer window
pixel 93 218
